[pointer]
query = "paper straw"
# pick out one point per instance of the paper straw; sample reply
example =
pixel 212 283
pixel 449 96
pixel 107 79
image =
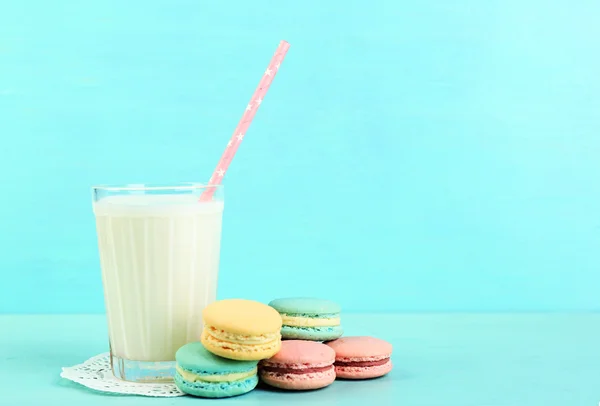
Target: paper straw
pixel 246 120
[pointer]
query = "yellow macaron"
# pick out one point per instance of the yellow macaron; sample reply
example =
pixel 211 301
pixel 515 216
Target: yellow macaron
pixel 242 330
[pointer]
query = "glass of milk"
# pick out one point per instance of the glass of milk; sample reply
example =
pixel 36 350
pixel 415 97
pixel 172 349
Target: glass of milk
pixel 159 253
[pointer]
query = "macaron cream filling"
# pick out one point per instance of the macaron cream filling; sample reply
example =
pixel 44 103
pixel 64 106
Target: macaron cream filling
pixel 295 368
pixel 239 346
pixel 362 363
pixel 197 376
pixel 223 335
pixel 302 320
pixel 299 371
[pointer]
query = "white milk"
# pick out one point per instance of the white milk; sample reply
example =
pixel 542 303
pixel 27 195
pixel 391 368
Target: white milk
pixel 160 260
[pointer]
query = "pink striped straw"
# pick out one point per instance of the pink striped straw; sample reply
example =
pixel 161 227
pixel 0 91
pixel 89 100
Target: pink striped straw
pixel 246 120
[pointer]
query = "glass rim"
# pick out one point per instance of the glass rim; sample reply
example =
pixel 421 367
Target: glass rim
pixel 156 186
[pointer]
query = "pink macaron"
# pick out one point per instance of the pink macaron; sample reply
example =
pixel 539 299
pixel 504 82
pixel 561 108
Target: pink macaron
pixel 299 365
pixel 361 357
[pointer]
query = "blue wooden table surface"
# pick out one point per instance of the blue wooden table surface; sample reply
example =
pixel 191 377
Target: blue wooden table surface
pixel 440 359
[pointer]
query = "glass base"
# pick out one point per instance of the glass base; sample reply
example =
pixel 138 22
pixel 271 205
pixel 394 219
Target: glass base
pixel 142 371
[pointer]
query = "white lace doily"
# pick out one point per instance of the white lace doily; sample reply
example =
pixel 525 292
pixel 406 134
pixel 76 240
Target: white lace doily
pixel 95 373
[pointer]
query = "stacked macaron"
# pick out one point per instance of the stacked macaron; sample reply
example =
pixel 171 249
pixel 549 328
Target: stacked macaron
pixel 241 341
pixel 237 334
pixel 241 329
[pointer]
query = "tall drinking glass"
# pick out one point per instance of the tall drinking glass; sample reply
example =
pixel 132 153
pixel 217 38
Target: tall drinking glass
pixel 159 252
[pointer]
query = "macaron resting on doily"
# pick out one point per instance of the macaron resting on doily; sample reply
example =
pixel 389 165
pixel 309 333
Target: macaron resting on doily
pixel 201 373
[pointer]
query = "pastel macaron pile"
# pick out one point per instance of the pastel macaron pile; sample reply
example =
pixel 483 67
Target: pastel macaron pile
pixel 242 341
pixel 237 334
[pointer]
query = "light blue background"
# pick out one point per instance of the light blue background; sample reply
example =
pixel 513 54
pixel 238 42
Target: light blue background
pixel 423 156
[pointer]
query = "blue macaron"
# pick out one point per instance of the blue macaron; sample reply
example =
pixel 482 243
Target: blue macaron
pixel 309 318
pixel 201 373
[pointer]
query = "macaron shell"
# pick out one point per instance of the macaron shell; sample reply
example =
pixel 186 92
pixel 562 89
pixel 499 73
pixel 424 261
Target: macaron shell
pixel 309 381
pixel 363 372
pixel 298 321
pixel 360 346
pixel 195 357
pixel 216 390
pixel 304 305
pixel 240 316
pixel 302 352
pixel 312 333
